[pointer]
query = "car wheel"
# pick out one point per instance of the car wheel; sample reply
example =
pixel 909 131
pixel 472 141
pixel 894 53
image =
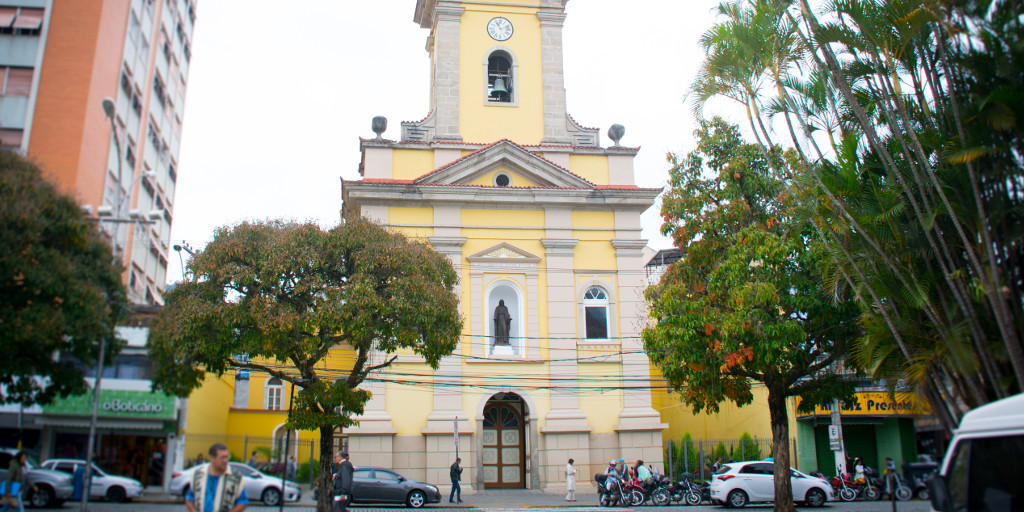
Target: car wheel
pixel 42 497
pixel 416 499
pixel 116 494
pixel 271 496
pixel 815 498
pixel 737 499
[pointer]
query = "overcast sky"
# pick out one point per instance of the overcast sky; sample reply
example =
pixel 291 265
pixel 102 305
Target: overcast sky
pixel 280 92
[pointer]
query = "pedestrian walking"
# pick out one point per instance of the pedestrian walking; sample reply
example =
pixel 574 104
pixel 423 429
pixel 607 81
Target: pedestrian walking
pixel 253 461
pixel 456 475
pixel 15 484
pixel 570 481
pixel 215 487
pixel 342 482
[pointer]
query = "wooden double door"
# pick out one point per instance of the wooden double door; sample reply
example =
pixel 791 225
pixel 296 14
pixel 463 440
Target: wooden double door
pixel 504 443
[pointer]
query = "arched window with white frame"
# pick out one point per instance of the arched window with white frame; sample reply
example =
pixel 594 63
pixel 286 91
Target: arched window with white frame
pixel 595 309
pixel 272 393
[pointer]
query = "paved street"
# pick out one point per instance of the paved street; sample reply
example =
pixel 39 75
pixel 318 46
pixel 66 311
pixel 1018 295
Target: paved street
pixel 533 501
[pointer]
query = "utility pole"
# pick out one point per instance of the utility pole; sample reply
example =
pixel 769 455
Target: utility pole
pixel 835 438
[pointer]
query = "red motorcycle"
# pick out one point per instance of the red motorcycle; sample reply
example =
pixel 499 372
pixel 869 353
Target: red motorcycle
pixel 634 491
pixel 844 487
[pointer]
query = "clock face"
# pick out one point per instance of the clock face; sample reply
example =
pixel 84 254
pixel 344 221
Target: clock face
pixel 500 29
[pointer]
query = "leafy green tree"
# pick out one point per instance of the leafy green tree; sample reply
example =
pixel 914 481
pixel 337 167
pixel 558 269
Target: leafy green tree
pixel 60 286
pixel 747 302
pixel 906 117
pixel 289 294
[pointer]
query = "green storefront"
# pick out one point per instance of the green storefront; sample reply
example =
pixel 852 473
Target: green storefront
pixel 133 428
pixel 876 426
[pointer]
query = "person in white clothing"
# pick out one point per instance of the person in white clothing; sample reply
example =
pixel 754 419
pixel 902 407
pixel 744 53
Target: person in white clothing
pixel 570 481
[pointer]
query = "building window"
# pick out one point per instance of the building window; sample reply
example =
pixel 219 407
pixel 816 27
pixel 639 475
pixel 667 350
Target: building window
pixel 158 90
pixel 241 397
pixel 499 77
pixel 129 155
pixel 595 307
pixel 272 394
pixel 16 81
pixel 502 180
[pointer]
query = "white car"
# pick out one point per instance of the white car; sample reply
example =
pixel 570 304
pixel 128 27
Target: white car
pixel 258 486
pixel 739 483
pixel 104 485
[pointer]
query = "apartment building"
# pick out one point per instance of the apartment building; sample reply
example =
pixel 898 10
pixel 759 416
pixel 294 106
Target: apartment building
pixel 59 59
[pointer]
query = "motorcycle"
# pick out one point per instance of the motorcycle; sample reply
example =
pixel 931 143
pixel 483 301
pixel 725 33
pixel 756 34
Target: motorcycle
pixel 610 491
pixel 844 487
pixel 685 490
pixel 898 487
pixel 634 489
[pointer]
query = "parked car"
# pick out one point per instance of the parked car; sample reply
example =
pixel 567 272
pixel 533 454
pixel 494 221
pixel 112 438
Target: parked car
pixel 371 484
pixel 740 483
pixel 984 465
pixel 53 488
pixel 104 485
pixel 258 486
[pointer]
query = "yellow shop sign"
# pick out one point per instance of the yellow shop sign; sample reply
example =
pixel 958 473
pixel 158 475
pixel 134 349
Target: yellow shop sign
pixel 876 404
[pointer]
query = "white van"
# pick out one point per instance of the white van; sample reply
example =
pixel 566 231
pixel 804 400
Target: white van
pixel 984 467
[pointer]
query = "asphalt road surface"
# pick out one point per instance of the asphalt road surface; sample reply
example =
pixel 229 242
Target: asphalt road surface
pixel 859 506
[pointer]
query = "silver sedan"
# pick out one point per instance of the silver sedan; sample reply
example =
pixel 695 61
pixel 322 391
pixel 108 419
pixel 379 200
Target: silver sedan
pixel 258 486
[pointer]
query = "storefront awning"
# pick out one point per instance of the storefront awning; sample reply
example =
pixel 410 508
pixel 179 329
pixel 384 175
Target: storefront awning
pixel 101 423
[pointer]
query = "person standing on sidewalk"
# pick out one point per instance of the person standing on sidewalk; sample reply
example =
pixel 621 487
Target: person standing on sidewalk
pixel 16 482
pixel 342 482
pixel 570 481
pixel 215 488
pixel 456 474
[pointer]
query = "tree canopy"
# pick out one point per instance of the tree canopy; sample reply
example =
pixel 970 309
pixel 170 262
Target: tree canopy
pixel 286 294
pixel 748 303
pixel 905 117
pixel 60 288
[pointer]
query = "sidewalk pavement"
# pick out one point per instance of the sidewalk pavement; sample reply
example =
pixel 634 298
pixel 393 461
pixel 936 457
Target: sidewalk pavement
pixel 487 499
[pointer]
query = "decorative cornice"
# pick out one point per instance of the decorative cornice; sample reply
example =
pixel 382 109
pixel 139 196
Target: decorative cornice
pixel 548 18
pixel 628 247
pixel 448 12
pixel 447 242
pixel 559 245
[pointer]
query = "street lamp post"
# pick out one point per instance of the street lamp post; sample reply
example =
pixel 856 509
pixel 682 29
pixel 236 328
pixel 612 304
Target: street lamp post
pixel 120 202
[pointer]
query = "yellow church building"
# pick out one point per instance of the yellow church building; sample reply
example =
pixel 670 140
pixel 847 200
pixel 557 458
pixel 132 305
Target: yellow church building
pixel 543 226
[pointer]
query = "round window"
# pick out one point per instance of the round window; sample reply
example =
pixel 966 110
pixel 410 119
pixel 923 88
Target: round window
pixel 502 180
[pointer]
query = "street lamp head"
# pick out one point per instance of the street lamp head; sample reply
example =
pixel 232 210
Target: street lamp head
pixel 176 247
pixel 108 108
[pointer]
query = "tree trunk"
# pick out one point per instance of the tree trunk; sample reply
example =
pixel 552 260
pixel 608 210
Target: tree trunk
pixel 780 447
pixel 324 502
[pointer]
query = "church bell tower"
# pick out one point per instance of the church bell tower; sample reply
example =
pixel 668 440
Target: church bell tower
pixel 496 72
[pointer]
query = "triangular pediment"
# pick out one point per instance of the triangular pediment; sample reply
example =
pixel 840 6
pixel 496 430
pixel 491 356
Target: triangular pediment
pixel 503 252
pixel 508 156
